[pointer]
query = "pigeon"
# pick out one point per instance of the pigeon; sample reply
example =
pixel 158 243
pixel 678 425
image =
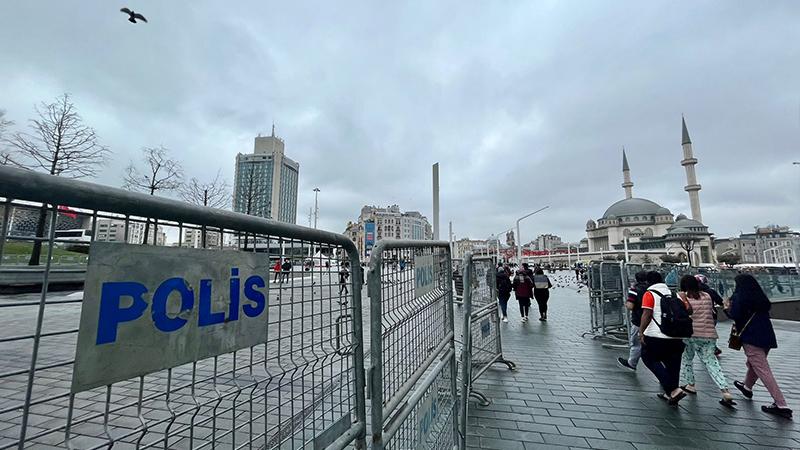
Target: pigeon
pixel 133 15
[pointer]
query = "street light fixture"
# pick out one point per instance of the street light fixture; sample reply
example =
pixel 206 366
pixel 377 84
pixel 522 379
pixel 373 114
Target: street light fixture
pixel 496 237
pixel 519 237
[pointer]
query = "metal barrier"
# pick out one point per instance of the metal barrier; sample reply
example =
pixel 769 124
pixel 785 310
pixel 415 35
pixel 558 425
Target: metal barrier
pixel 260 363
pixel 481 342
pixel 607 289
pixel 413 367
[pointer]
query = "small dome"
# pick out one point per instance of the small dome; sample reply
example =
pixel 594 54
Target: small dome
pixel 681 217
pixel 633 207
pixel 591 225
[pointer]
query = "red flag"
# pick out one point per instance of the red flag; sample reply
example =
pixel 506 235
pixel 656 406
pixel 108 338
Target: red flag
pixel 67 212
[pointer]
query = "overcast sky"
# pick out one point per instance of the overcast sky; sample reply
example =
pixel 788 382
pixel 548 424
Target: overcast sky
pixel 523 104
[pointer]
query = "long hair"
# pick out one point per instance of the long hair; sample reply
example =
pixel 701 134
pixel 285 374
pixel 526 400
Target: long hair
pixel 690 285
pixel 747 289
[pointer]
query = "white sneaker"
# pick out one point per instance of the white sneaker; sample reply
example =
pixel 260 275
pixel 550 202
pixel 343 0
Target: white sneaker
pixel 505 319
pixel 524 319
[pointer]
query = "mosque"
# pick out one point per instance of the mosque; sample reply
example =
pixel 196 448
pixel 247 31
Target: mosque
pixel 646 225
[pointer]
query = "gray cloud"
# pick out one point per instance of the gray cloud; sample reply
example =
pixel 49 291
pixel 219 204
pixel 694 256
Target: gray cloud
pixel 523 105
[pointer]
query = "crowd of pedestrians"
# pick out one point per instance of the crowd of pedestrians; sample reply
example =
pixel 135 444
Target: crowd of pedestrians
pixel 670 330
pixel 526 284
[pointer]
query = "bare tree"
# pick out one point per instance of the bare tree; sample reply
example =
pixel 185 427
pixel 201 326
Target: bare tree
pixel 160 173
pixel 688 243
pixel 60 144
pixel 214 194
pixel 5 155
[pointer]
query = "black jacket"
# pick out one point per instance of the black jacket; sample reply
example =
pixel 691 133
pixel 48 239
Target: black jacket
pixel 503 283
pixel 759 332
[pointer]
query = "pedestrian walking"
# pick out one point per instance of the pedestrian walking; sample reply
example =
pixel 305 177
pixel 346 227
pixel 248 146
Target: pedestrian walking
pixel 286 269
pixel 634 304
pixel 749 308
pixel 523 290
pixel 703 340
pixel 541 292
pixel 716 301
pixel 277 269
pixel 344 274
pixel 504 289
pixel 661 352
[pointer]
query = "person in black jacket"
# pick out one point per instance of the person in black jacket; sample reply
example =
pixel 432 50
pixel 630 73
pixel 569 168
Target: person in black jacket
pixel 749 308
pixel 504 289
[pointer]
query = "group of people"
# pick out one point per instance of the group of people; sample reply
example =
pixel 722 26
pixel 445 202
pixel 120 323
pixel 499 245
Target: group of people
pixel 527 283
pixel 283 270
pixel 668 331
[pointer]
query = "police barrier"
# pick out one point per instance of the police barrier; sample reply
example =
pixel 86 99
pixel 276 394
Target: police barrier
pixel 412 374
pixel 607 290
pixel 177 347
pixel 481 344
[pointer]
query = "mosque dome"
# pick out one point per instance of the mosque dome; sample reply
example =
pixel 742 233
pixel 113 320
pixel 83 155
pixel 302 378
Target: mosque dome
pixel 663 212
pixel 634 207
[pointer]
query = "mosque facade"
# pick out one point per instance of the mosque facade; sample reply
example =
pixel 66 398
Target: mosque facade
pixel 643 224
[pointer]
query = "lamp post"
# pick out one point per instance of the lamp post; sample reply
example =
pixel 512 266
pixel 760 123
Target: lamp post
pixel 519 237
pixel 497 238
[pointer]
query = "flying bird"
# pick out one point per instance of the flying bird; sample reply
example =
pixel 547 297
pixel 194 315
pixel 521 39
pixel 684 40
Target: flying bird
pixel 133 15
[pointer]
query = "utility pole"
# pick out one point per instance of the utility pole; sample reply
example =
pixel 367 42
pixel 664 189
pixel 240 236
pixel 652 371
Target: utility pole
pixel 436 202
pixel 316 206
pixel 519 238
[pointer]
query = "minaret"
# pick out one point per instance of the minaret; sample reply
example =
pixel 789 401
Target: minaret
pixel 688 162
pixel 626 176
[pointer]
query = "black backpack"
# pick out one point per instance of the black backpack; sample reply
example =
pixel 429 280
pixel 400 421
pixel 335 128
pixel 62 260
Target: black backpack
pixel 675 320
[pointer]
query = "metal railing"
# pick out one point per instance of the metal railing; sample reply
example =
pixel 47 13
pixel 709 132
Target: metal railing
pixel 607 286
pixel 413 367
pixel 300 386
pixel 481 345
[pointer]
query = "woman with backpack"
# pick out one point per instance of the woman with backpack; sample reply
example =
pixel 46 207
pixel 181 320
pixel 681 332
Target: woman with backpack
pixel 662 344
pixel 523 290
pixel 703 341
pixel 503 291
pixel 541 292
pixel 749 308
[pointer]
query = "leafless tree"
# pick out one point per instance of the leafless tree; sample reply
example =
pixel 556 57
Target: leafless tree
pixel 688 243
pixel 5 155
pixel 60 144
pixel 215 194
pixel 160 173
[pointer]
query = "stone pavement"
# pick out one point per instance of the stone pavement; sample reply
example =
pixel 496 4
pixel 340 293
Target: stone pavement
pixel 568 392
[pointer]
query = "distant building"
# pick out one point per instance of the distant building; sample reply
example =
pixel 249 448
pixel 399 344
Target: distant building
pixel 772 244
pixel 113 230
pixel 476 246
pixel 265 182
pixel 194 238
pixel 23 221
pixel 546 242
pixel 376 223
pixel 646 225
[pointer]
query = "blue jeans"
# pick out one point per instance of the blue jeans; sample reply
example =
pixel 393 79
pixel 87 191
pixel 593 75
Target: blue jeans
pixel 636 346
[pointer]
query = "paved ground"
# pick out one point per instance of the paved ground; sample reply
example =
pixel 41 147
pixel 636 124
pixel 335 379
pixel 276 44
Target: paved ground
pixel 569 392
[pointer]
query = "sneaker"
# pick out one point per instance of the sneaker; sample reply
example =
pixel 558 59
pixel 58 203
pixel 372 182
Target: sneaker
pixel 505 319
pixel 717 351
pixel 774 409
pixel 622 362
pixel 746 392
pixel 524 319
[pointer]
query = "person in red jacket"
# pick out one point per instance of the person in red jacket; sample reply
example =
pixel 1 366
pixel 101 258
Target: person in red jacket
pixel 523 290
pixel 277 269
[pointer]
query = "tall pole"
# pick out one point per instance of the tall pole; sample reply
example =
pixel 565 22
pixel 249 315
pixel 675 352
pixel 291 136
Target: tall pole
pixel 436 201
pixel 451 237
pixel 626 249
pixel 316 206
pixel 519 237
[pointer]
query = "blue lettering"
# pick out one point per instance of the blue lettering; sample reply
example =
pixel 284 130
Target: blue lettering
pixel 255 296
pixel 233 307
pixel 206 316
pixel 111 314
pixel 159 307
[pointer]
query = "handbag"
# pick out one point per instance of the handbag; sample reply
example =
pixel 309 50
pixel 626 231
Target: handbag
pixel 735 339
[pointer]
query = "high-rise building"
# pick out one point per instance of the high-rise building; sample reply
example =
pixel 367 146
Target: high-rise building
pixel 193 238
pixel 113 230
pixel 265 182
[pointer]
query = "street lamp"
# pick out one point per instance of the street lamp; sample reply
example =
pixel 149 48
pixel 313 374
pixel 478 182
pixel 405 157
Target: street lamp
pixel 519 237
pixel 497 238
